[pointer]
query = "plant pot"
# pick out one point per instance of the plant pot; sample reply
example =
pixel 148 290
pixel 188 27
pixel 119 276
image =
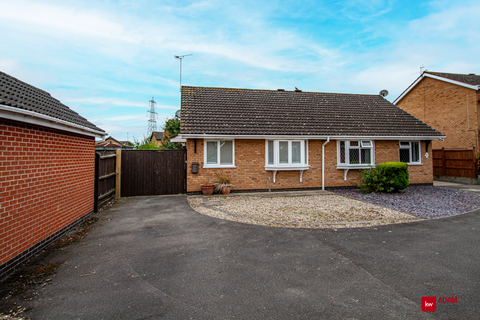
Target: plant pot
pixel 207 189
pixel 226 190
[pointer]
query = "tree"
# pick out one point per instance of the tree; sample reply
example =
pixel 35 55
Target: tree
pixel 145 144
pixel 171 129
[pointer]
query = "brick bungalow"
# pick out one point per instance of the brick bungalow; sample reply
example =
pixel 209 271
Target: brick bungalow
pixel 449 103
pixel 47 157
pixel 297 140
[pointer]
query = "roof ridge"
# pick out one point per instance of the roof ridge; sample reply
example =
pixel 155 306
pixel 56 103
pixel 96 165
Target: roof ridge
pixel 282 90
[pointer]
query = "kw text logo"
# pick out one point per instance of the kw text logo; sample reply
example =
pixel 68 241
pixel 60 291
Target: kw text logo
pixel 430 303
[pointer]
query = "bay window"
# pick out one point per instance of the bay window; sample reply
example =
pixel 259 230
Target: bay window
pixel 219 153
pixel 286 153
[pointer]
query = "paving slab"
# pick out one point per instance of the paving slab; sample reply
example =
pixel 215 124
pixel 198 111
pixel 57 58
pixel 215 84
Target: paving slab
pixel 156 258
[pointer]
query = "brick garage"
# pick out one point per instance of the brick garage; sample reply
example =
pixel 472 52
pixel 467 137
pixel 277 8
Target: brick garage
pixel 366 129
pixel 449 103
pixel 47 168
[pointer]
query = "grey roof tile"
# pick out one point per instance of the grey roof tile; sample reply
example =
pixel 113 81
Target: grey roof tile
pixel 472 78
pixel 228 111
pixel 18 94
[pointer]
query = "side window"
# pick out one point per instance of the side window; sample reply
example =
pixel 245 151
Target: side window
pixel 219 153
pixel 409 151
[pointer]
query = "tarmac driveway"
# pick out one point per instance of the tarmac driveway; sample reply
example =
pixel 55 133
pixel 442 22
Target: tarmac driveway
pixel 154 257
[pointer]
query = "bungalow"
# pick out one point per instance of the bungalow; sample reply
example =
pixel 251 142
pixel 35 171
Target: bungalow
pixel 277 139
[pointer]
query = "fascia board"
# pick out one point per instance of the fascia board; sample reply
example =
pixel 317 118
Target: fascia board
pixel 458 83
pixel 20 115
pixel 309 137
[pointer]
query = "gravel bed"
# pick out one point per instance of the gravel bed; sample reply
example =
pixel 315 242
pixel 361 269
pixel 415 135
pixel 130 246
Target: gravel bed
pixel 421 201
pixel 319 211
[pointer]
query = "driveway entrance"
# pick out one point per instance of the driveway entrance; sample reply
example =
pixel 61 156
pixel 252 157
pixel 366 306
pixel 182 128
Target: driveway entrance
pixel 156 258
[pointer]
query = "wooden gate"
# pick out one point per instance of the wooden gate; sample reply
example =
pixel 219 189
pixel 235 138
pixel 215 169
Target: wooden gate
pixel 454 163
pixel 153 172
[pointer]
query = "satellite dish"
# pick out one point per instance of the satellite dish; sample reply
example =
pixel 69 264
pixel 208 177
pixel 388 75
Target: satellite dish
pixel 384 93
pixel 178 113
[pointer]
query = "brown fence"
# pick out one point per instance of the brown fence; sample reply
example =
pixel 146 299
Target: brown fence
pixel 153 172
pixel 106 169
pixel 454 163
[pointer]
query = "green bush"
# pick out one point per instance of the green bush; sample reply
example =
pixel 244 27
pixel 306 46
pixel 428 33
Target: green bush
pixel 397 173
pixel 385 177
pixel 374 180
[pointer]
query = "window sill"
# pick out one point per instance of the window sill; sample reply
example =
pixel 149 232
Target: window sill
pixel 218 166
pixel 414 164
pixel 355 166
pixel 286 168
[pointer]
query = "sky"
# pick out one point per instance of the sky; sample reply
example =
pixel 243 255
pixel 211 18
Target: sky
pixel 107 59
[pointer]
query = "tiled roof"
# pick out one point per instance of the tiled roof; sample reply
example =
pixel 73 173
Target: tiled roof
pixel 224 111
pixel 472 78
pixel 18 94
pixel 158 135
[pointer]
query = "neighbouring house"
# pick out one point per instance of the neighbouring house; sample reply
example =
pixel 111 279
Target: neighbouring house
pixel 110 143
pixel 297 140
pixel 449 103
pixel 157 138
pixel 47 170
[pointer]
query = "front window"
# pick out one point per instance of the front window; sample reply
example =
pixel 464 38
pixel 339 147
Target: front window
pixel 409 152
pixel 286 153
pixel 219 153
pixel 355 153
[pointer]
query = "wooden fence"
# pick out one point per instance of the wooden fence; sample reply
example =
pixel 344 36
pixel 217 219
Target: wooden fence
pixel 107 167
pixel 454 163
pixel 153 172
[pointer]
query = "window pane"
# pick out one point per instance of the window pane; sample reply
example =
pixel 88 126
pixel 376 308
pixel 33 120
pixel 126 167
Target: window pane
pixel 366 143
pixel 354 156
pixel 270 152
pixel 283 152
pixel 296 152
pixel 342 151
pixel 353 143
pixel 405 155
pixel 404 144
pixel 306 151
pixel 226 154
pixel 366 156
pixel 211 152
pixel 415 152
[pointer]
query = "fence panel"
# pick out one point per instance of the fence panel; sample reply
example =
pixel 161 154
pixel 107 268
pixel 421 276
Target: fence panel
pixel 454 163
pixel 105 177
pixel 153 172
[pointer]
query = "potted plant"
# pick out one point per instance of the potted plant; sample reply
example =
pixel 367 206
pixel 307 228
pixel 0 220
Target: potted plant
pixel 224 183
pixel 207 189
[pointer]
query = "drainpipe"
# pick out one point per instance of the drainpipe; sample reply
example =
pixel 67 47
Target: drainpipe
pixel 323 162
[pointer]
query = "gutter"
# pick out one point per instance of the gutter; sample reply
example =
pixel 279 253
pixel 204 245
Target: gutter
pixel 323 163
pixel 26 116
pixel 309 137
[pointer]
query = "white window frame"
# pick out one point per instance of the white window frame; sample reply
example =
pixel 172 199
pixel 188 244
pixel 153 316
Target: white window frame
pixel 217 165
pixel 362 144
pixel 276 155
pixel 410 162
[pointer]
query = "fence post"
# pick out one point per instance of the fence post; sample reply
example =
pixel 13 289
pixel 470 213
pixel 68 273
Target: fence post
pixel 97 176
pixel 475 174
pixel 444 162
pixel 118 171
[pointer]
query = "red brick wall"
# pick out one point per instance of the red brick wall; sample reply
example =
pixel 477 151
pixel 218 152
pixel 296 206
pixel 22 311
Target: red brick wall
pixel 250 161
pixel 46 182
pixel 443 106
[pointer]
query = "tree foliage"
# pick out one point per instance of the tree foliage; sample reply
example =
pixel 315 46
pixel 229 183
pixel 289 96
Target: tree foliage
pixel 145 144
pixel 171 129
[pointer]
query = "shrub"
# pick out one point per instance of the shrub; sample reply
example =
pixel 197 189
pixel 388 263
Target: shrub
pixel 397 173
pixel 374 180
